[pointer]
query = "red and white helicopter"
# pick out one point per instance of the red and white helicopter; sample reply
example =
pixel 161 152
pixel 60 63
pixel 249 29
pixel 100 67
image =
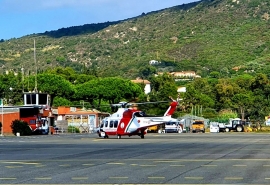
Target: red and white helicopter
pixel 130 121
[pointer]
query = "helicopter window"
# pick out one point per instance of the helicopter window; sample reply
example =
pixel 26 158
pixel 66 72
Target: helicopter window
pixel 111 124
pixel 115 124
pixel 171 123
pixel 101 126
pixel 139 114
pixel 106 124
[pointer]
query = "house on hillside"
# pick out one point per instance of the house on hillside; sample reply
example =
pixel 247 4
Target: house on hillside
pixel 181 89
pixel 153 62
pixel 184 74
pixel 147 87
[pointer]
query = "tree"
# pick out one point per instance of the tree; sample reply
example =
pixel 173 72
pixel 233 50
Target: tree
pixel 55 85
pixel 111 89
pixel 226 89
pixel 68 73
pixel 88 91
pixel 22 127
pixel 59 101
pixel 82 78
pixel 115 89
pixel 242 102
pixel 147 71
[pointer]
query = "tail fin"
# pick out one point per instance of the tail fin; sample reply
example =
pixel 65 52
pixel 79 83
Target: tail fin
pixel 171 109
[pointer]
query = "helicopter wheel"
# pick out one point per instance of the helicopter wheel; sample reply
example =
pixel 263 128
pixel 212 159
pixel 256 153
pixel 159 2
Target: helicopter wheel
pixel 118 136
pixel 106 137
pixel 142 136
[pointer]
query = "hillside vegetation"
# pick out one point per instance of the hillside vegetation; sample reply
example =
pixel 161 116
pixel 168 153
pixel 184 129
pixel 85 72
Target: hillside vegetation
pixel 205 36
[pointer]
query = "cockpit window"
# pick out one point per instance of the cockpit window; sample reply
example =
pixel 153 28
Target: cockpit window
pixel 171 123
pixel 140 114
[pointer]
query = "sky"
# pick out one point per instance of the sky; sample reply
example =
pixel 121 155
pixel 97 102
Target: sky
pixel 24 17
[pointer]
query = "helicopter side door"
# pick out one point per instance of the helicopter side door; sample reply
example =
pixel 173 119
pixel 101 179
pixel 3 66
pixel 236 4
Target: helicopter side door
pixel 112 126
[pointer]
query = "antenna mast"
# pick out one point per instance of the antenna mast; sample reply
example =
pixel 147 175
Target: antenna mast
pixel 35 90
pixel 22 69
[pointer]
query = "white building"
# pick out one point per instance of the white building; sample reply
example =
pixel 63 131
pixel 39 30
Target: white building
pixel 147 88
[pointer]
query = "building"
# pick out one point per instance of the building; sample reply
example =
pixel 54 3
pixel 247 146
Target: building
pixel 23 112
pixel 181 89
pixel 184 74
pixel 85 120
pixel 147 87
pixel 154 62
pixel 33 110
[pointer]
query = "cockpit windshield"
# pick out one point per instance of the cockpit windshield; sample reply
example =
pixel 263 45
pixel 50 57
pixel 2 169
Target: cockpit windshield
pixel 171 123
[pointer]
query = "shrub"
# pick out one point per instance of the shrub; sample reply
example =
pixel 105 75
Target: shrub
pixel 72 129
pixel 20 126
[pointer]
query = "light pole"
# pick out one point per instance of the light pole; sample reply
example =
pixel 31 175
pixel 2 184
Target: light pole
pixel 10 95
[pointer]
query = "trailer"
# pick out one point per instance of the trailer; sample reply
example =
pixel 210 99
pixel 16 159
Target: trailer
pixel 234 124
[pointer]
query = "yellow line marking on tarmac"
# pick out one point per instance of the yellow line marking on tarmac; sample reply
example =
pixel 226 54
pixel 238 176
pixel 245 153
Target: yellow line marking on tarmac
pixel 194 178
pixel 79 178
pixel 13 166
pixel 64 165
pixel 118 177
pixel 117 163
pixel 151 160
pixel 102 139
pixel 175 165
pixel 267 178
pixel 266 165
pixel 97 140
pixel 43 178
pixel 156 177
pixel 133 164
pixel 15 162
pixel 233 178
pixel 209 165
pixel 8 178
pixel 166 161
pixel 146 165
pixel 240 165
pixel 87 164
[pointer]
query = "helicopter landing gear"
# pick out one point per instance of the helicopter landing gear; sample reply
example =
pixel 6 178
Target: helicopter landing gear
pixel 118 136
pixel 106 137
pixel 142 136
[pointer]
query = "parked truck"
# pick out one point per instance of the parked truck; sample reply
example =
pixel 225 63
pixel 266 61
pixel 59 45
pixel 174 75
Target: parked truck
pixel 234 124
pixel 197 126
pixel 38 126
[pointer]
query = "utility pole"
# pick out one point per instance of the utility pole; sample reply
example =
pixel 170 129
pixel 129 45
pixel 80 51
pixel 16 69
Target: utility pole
pixel 35 90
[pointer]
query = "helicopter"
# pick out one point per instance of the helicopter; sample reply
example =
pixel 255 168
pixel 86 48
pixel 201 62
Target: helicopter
pixel 131 121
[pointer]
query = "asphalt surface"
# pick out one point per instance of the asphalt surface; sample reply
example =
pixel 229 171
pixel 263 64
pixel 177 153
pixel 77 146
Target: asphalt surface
pixel 186 158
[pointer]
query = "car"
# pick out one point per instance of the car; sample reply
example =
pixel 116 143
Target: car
pixel 214 127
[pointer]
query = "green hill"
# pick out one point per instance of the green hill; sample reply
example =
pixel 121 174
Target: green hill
pixel 205 36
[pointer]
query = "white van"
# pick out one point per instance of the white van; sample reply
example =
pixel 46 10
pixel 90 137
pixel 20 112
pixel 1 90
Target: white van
pixel 267 122
pixel 214 127
pixel 173 126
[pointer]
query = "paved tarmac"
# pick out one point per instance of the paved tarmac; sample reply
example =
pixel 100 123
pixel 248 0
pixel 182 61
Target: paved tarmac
pixel 186 158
